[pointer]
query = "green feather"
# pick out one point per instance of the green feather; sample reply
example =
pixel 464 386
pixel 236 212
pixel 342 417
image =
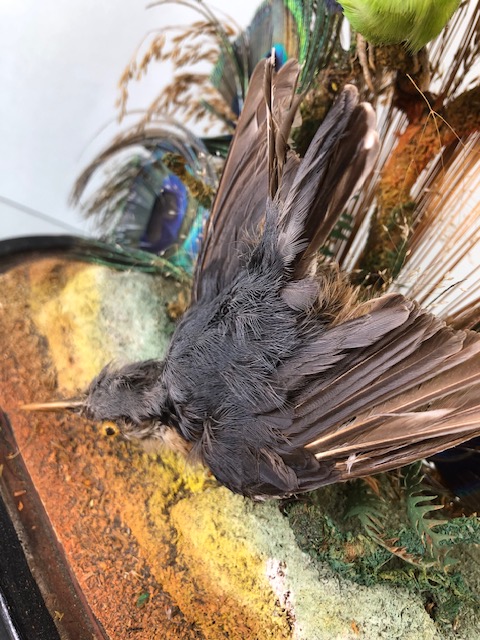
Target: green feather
pixel 414 22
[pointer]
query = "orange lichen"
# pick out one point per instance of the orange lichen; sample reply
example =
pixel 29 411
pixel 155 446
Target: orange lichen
pixel 418 145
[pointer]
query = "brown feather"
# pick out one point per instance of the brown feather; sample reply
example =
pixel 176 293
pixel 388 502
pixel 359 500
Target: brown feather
pixel 410 393
pixel 239 206
pixel 385 382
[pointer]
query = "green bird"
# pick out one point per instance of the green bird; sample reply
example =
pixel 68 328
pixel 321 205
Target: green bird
pixel 414 22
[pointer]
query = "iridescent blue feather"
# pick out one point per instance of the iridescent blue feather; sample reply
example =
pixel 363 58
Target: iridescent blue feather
pixel 306 31
pixel 142 203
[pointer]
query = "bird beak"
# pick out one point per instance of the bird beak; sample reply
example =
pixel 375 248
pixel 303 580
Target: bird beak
pixel 58 405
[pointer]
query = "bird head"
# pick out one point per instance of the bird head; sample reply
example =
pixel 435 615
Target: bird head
pixel 130 400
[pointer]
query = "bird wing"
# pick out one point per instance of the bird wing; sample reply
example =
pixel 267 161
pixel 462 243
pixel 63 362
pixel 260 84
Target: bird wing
pixel 239 205
pixel 311 193
pixel 339 158
pixel 372 394
pixel 387 388
pixel 378 391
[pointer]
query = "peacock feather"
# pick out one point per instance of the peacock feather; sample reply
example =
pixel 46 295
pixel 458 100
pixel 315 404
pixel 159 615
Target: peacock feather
pixel 305 31
pixel 157 195
pixel 158 178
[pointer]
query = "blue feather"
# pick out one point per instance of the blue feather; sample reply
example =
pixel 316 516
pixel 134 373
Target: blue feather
pixel 303 30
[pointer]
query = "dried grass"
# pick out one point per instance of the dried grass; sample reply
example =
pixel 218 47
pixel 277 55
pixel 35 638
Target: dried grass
pixel 183 47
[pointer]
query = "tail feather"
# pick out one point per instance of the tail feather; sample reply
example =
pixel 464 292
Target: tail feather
pixel 295 29
pixel 239 206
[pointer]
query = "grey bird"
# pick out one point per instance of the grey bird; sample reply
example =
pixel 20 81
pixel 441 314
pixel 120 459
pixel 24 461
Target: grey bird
pixel 279 377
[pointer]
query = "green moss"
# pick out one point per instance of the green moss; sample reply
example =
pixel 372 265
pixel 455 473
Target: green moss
pixel 393 537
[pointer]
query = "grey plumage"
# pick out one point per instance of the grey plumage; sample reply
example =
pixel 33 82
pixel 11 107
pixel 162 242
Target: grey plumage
pixel 277 377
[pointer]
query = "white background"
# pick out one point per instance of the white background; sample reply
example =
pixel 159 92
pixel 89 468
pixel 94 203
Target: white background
pixel 60 62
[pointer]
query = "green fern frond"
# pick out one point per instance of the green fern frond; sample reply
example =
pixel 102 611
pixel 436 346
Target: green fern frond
pixel 371 511
pixel 343 227
pixel 420 506
pixel 379 543
pixel 340 232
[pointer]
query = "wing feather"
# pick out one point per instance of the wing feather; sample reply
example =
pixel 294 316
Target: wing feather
pixel 239 206
pixel 377 404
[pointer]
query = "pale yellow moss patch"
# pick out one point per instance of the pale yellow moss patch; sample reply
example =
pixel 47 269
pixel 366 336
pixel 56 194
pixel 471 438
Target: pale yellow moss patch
pixel 65 303
pixel 92 315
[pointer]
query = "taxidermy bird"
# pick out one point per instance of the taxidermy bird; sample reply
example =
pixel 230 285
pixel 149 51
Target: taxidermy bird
pixel 280 377
pixel 415 22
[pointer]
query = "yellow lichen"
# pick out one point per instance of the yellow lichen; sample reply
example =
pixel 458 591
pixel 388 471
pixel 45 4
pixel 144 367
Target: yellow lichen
pixel 64 306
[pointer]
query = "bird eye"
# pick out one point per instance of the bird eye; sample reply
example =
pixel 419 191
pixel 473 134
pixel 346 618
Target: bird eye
pixel 110 428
